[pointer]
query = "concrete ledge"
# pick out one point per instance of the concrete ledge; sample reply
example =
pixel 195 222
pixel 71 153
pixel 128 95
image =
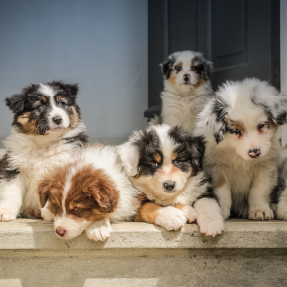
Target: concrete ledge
pixel 39 234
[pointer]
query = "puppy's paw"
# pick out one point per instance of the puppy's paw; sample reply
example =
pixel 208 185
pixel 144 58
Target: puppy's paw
pixel 47 214
pixel 170 218
pixel 225 213
pixel 6 215
pixel 189 213
pixel 261 214
pixel 211 226
pixel 99 233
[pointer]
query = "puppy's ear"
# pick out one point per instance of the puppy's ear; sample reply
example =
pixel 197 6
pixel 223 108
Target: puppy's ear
pixel 275 106
pixel 70 89
pixel 214 116
pixel 129 155
pixel 197 149
pixel 43 191
pixel 16 103
pixel 166 67
pixel 207 67
pixel 105 195
pixel 194 145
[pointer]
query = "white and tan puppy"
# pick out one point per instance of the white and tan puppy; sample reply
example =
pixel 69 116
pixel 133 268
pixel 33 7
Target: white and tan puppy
pixel 165 164
pixel 47 130
pixel 186 89
pixel 240 125
pixel 88 193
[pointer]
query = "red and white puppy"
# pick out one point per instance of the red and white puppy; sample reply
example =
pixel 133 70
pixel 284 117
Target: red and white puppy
pixel 87 194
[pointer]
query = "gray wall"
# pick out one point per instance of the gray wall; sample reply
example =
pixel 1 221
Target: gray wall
pixel 100 44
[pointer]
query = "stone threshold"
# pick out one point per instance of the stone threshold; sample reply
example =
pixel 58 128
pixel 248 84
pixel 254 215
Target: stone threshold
pixel 24 234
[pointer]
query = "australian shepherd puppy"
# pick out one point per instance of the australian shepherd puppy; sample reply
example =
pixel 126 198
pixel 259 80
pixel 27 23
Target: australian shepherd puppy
pixel 186 89
pixel 46 131
pixel 240 125
pixel 164 163
pixel 88 193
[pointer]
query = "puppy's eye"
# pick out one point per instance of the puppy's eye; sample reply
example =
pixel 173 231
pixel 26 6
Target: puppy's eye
pixel 62 104
pixel 235 131
pixel 178 68
pixel 193 68
pixel 155 164
pixel 260 126
pixel 176 162
pixel 40 107
pixel 57 206
pixel 77 210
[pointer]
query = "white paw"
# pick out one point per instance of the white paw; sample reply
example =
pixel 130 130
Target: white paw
pixel 211 226
pixel 225 212
pixel 99 233
pixel 189 213
pixel 47 214
pixel 170 218
pixel 261 214
pixel 7 216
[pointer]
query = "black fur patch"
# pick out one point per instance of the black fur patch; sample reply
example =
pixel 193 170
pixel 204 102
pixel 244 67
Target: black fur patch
pixel 209 193
pixel 6 173
pixel 281 183
pixel 167 67
pixel 148 146
pixel 81 139
pixel 191 150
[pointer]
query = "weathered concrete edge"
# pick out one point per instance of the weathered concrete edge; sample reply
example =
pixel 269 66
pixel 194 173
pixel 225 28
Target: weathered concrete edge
pixel 38 234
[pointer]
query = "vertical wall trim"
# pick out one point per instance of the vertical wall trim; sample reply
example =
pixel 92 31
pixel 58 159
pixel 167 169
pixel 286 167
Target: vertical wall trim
pixel 166 29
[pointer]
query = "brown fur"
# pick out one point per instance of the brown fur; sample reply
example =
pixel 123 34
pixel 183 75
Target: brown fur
pixel 74 118
pixel 174 155
pixel 93 192
pixel 179 206
pixel 157 157
pixel 28 126
pixel 148 213
pixel 58 98
pixel 220 182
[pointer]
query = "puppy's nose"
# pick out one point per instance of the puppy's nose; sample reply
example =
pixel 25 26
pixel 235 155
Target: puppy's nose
pixel 61 231
pixel 57 120
pixel 254 153
pixel 169 185
pixel 186 77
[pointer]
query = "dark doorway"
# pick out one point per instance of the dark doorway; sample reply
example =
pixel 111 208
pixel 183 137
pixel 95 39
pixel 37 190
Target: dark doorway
pixel 240 37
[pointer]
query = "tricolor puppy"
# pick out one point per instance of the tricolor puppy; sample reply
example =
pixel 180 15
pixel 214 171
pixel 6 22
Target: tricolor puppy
pixel 88 193
pixel 186 89
pixel 240 125
pixel 165 164
pixel 46 131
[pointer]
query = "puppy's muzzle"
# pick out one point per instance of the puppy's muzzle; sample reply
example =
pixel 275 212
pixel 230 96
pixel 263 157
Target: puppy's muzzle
pixel 57 120
pixel 61 231
pixel 186 78
pixel 169 185
pixel 254 153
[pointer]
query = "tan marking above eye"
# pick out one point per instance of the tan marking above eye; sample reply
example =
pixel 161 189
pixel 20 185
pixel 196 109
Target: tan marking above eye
pixel 58 98
pixel 43 99
pixel 174 155
pixel 157 157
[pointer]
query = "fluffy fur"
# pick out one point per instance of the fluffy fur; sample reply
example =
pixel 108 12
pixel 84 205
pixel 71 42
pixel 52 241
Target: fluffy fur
pixel 88 193
pixel 240 125
pixel 165 164
pixel 46 131
pixel 186 89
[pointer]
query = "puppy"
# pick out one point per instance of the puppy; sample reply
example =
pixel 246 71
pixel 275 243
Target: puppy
pixel 186 89
pixel 46 131
pixel 88 193
pixel 240 125
pixel 165 164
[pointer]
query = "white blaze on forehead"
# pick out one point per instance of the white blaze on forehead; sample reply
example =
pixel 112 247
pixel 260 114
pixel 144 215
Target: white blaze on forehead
pixel 46 90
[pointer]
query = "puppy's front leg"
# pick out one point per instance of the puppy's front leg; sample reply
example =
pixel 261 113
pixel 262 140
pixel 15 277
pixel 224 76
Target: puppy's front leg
pixel 99 230
pixel 46 213
pixel 259 196
pixel 188 212
pixel 169 217
pixel 209 216
pixel 11 193
pixel 223 193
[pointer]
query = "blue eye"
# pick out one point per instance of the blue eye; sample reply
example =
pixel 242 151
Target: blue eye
pixel 178 68
pixel 40 107
pixel 62 104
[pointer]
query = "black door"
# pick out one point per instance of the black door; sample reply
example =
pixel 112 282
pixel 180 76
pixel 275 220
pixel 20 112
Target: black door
pixel 240 37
